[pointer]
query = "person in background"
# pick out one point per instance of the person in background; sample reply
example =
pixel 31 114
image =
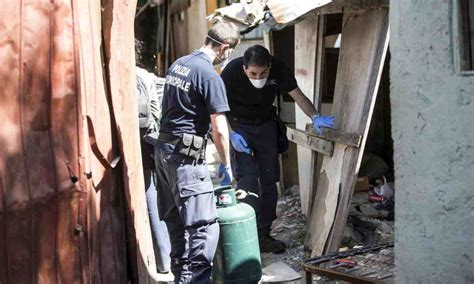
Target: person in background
pixel 194 105
pixel 252 83
pixel 148 92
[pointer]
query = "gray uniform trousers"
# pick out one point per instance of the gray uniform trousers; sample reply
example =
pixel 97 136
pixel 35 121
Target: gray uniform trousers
pixel 186 203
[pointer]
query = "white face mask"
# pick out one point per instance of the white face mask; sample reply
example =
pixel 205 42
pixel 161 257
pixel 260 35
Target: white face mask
pixel 258 83
pixel 222 64
pixel 223 59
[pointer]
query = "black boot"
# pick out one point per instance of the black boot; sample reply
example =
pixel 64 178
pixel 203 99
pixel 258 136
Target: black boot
pixel 269 244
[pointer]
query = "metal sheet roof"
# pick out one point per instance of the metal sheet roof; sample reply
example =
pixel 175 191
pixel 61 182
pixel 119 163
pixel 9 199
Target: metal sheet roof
pixel 285 11
pixel 281 13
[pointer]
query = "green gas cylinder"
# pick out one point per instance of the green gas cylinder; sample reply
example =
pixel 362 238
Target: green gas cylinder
pixel 237 258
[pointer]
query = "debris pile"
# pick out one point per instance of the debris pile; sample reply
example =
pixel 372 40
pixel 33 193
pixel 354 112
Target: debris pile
pixel 371 214
pixel 290 227
pixel 369 222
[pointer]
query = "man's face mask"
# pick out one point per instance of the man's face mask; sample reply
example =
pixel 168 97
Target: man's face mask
pixel 222 60
pixel 258 83
pixel 224 50
pixel 258 75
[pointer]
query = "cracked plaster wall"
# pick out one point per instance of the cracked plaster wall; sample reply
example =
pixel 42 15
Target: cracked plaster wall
pixel 433 132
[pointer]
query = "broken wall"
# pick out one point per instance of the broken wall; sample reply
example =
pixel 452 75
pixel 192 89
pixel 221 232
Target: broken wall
pixel 433 115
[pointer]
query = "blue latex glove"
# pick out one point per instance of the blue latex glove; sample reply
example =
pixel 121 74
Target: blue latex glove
pixel 322 121
pixel 239 143
pixel 226 173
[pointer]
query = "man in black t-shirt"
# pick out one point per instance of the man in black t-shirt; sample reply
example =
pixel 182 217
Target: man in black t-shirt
pixel 252 83
pixel 194 101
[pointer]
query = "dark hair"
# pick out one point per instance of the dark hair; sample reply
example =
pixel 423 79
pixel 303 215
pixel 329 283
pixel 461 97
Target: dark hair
pixel 223 33
pixel 257 55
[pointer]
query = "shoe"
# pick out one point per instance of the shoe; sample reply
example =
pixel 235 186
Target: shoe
pixel 269 244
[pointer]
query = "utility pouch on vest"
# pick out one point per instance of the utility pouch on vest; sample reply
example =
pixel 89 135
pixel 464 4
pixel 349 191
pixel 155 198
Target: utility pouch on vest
pixel 192 146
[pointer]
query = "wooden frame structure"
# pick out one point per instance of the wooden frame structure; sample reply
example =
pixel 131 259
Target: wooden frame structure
pixel 326 192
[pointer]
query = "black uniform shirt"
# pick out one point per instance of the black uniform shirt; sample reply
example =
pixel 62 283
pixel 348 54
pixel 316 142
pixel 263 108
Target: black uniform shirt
pixel 248 102
pixel 192 92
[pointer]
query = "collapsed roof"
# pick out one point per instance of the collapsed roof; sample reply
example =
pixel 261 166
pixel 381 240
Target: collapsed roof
pixel 277 14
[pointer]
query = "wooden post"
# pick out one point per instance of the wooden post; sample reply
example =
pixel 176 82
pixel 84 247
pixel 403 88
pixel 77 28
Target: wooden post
pixel 197 24
pixel 211 6
pixel 309 47
pixel 363 49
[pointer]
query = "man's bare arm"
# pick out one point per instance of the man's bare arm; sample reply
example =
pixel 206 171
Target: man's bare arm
pixel 220 135
pixel 303 102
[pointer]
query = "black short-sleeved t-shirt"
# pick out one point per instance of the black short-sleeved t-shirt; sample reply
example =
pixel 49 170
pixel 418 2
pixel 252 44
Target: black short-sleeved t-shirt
pixel 248 102
pixel 193 91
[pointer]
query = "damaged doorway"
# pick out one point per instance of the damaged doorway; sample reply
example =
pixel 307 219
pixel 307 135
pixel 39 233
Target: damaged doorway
pixel 369 222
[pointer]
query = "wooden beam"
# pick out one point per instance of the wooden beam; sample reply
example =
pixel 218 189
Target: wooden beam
pixel 363 49
pixel 377 36
pixel 211 6
pixel 309 141
pixel 309 43
pixel 197 23
pixel 336 136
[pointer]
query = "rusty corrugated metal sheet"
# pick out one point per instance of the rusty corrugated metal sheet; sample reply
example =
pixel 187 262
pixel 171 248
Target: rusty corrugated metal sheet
pixel 61 206
pixel 39 140
pixel 106 216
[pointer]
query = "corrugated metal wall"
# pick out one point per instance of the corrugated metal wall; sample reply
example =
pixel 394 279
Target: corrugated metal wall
pixel 62 212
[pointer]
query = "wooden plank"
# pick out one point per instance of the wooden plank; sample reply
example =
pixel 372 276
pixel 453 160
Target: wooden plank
pixel 180 34
pixel 268 41
pixel 363 50
pixel 317 98
pixel 178 6
pixel 211 6
pixel 462 14
pixel 378 51
pixel 197 24
pixel 336 136
pixel 325 201
pixel 471 33
pixel 309 141
pixel 305 73
pixel 120 60
pixel 309 43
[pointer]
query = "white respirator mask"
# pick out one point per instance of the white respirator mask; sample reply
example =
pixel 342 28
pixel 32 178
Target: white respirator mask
pixel 258 83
